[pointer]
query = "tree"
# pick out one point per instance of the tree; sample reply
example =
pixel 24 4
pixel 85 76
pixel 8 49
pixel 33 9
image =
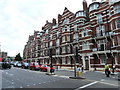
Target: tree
pixel 18 57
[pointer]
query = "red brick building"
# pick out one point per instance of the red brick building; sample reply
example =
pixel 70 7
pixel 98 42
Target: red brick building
pixel 95 31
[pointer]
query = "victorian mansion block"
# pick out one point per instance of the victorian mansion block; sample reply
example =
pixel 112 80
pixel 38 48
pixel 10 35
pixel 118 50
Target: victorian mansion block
pixel 95 31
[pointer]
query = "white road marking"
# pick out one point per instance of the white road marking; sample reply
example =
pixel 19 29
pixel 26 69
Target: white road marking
pixel 21 87
pixel 34 84
pixel 86 85
pixel 113 77
pixel 28 85
pixel 39 83
pixel 12 82
pixel 108 83
pixel 18 79
pixel 102 80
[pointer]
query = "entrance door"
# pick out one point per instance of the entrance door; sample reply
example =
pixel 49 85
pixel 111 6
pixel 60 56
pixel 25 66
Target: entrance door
pixel 86 65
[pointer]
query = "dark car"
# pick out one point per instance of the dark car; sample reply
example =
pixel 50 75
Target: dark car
pixel 34 66
pixel 25 65
pixel 6 65
pixel 45 67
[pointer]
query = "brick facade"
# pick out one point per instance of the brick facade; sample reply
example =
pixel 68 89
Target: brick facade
pixel 95 30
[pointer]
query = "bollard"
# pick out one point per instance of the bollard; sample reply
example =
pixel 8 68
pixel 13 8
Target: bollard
pixel 48 69
pixel 78 73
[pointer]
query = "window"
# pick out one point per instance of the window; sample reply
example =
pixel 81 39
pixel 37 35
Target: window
pixel 118 23
pixel 100 31
pixel 47 31
pixel 63 50
pixel 101 45
pixel 85 46
pixel 81 13
pixel 75 36
pixel 117 8
pixel 75 27
pixel 57 42
pixel 66 21
pixel 57 33
pixel 68 28
pixel 103 59
pixel 99 18
pixel 63 39
pixel 84 33
pixel 68 49
pixel 93 7
pixel 46 44
pixel 63 29
pixel 51 44
pixel 50 36
pixel 68 37
pixel 63 61
pixel 68 60
pixel 119 40
pixel 57 51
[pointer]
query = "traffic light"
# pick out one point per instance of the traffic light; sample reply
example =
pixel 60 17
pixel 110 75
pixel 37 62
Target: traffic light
pixel 76 54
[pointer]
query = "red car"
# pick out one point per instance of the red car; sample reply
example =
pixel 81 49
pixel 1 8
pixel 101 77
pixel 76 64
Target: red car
pixel 34 66
pixel 44 67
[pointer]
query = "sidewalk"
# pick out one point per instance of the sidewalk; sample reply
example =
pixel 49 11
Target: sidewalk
pixel 69 69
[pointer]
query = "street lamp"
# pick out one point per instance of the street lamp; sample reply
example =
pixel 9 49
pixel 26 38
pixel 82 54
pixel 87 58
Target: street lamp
pixel 50 55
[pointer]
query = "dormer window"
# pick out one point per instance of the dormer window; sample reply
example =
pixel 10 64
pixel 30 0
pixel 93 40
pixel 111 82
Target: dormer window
pixel 66 21
pixel 47 31
pixel 93 6
pixel 80 13
pixel 117 8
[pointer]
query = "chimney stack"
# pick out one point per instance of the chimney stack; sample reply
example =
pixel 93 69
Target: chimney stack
pixel 59 18
pixel 54 21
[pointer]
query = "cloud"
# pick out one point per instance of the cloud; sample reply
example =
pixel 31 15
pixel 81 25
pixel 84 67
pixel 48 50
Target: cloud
pixel 19 19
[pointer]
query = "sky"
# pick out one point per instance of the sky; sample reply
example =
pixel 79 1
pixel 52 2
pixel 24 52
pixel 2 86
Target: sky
pixel 19 19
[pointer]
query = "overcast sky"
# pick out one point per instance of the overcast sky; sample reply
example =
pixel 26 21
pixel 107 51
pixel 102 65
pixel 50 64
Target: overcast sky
pixel 19 19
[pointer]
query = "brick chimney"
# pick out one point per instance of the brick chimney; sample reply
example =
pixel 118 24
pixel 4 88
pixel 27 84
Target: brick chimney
pixel 54 21
pixel 59 18
pixel 85 8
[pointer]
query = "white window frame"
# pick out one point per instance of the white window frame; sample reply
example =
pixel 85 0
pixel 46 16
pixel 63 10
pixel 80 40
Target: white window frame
pixel 117 8
pixel 85 31
pixel 63 60
pixel 68 37
pixel 100 31
pixel 99 18
pixel 68 49
pixel 117 23
pixel 85 46
pixel 102 59
pixel 101 42
pixel 75 27
pixel 118 40
pixel 50 43
pixel 57 42
pixel 76 36
pixel 63 39
pixel 57 51
pixel 63 49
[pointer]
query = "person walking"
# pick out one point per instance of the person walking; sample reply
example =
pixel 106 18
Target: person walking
pixel 82 68
pixel 107 72
pixel 113 69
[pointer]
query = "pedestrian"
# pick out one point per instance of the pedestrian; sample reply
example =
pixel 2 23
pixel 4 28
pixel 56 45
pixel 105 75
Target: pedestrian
pixel 82 68
pixel 107 72
pixel 113 69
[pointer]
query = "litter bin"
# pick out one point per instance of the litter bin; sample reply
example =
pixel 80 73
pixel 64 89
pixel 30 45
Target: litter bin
pixel 78 73
pixel 48 69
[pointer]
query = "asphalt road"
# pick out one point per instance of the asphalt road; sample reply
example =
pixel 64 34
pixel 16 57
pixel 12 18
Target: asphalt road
pixel 24 78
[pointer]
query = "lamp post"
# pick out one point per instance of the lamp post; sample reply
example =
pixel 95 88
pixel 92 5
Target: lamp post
pixel 50 55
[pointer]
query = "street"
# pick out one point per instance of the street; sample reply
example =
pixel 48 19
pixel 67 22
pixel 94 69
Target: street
pixel 25 78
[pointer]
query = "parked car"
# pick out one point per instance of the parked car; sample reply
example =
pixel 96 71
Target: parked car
pixel 6 65
pixel 25 65
pixel 34 66
pixel 15 63
pixel 19 64
pixel 44 67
